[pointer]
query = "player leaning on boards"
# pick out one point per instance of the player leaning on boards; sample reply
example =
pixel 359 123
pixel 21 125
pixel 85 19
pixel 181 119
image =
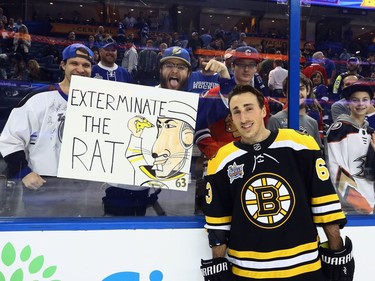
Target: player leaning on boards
pixel 31 140
pixel 265 196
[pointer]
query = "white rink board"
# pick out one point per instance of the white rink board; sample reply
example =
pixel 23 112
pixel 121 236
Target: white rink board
pixel 363 249
pixel 97 254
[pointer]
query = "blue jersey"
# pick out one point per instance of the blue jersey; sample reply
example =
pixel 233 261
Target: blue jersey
pixel 200 83
pixel 115 73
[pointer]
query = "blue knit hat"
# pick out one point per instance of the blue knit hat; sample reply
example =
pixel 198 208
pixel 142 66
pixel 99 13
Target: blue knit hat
pixel 176 53
pixel 71 52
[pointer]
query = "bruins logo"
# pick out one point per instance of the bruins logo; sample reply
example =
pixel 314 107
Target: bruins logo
pixel 267 200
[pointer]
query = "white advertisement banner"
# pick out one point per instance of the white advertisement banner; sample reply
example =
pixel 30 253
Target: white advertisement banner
pixel 111 255
pixel 130 255
pixel 128 134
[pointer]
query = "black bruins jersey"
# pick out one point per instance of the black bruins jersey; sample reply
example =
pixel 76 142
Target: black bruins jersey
pixel 270 196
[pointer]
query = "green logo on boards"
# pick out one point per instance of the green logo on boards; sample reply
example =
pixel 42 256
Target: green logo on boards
pixel 23 266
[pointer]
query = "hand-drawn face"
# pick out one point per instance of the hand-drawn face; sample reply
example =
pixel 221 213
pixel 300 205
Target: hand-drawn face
pixel 170 148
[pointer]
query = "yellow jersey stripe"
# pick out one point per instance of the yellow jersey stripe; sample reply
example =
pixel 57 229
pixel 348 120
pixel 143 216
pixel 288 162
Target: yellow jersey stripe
pixel 339 215
pixel 219 220
pixel 324 199
pixel 273 254
pixel 287 273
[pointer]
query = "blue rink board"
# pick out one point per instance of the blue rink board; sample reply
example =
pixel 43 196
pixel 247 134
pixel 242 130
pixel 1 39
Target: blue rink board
pixel 112 223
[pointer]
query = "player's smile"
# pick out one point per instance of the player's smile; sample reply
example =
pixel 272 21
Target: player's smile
pixel 247 125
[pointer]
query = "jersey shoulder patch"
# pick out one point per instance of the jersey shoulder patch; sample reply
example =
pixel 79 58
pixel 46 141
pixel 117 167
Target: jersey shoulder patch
pixel 340 130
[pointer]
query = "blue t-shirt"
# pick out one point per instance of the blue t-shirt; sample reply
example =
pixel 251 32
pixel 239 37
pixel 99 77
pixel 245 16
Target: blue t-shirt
pixel 115 73
pixel 200 83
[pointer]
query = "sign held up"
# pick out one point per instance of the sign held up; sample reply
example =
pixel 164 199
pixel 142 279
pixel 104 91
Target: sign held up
pixel 128 134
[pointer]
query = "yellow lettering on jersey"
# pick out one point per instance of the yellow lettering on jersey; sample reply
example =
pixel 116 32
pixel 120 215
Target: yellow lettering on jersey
pixel 209 193
pixel 321 169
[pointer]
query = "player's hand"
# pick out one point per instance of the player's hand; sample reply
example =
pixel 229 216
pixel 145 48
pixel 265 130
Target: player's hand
pixel 219 67
pixel 137 124
pixel 338 265
pixel 217 269
pixel 33 181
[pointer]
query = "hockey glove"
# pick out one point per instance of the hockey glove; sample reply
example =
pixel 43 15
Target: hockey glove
pixel 217 269
pixel 337 265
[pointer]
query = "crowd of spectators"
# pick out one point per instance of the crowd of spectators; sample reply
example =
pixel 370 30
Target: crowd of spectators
pixel 135 55
pixel 141 41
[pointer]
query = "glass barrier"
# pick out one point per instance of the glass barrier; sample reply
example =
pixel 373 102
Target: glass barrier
pixel 337 44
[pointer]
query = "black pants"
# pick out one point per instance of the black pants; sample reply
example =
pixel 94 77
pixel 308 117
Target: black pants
pixel 125 202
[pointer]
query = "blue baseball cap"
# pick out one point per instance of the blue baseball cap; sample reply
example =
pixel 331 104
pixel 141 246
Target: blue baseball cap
pixel 246 52
pixel 176 53
pixel 71 52
pixel 108 42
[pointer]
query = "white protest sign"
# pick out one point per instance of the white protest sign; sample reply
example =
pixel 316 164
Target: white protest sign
pixel 128 134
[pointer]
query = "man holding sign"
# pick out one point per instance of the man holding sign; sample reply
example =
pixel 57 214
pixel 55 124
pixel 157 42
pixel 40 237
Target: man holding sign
pixel 126 200
pixel 31 140
pixel 170 150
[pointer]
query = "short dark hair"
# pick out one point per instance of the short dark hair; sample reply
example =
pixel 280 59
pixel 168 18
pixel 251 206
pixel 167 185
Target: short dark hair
pixel 242 89
pixel 278 62
pixel 302 80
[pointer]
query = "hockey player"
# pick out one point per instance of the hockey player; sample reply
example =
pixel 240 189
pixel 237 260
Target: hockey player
pixel 107 67
pixel 265 196
pixel 349 140
pixel 31 140
pixel 214 127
